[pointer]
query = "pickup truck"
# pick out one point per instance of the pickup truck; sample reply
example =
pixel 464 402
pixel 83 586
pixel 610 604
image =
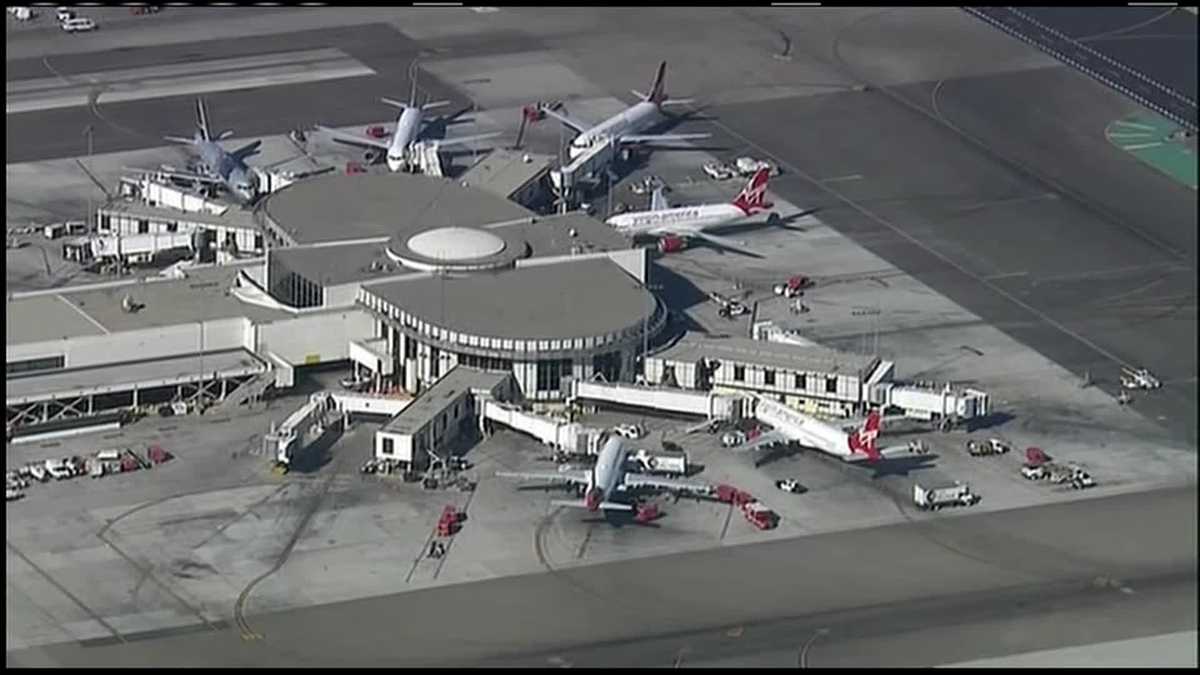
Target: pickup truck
pixel 661 461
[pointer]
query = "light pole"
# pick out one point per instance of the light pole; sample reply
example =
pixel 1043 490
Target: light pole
pixel 87 131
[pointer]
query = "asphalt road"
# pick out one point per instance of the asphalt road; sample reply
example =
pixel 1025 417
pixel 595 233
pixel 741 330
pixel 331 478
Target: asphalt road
pixel 900 586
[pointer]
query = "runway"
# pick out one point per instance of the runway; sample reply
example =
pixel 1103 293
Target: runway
pixel 912 594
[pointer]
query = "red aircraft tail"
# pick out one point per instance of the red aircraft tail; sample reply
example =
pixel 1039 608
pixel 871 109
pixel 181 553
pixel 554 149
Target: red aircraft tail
pixel 864 439
pixel 753 197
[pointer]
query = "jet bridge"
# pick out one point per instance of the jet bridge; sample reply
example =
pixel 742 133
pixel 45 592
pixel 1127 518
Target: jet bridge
pixel 591 162
pixel 302 428
pixel 427 159
pixel 703 403
pixel 571 437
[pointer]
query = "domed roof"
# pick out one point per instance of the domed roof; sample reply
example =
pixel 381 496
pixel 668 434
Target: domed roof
pixel 455 243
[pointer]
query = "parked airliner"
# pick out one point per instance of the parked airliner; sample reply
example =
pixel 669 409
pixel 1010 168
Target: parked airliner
pixel 401 151
pixel 606 480
pixel 674 225
pixel 628 125
pixel 792 426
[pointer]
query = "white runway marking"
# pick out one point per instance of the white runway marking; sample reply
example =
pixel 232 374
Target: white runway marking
pixel 84 314
pixel 1007 275
pixel 133 84
pixel 856 176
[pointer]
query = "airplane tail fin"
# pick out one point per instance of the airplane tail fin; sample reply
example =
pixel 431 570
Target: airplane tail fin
pixel 658 92
pixel 202 120
pixel 752 198
pixel 864 440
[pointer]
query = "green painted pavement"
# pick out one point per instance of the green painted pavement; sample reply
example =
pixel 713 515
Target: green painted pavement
pixel 1157 142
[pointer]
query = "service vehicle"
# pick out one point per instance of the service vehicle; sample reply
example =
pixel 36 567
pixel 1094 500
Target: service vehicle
pixel 791 485
pixel 992 446
pixel 937 497
pixel 65 14
pixel 661 461
pixel 79 25
pixel 748 165
pixel 1138 378
pixel 631 431
pixel 12 495
pixel 718 171
pixel 22 13
pixel 377 131
pixel 760 516
pixel 732 439
pixel 793 287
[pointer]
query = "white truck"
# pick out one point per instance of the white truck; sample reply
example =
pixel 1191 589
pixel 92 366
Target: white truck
pixel 748 165
pixel 1138 378
pixel 934 498
pixel 661 461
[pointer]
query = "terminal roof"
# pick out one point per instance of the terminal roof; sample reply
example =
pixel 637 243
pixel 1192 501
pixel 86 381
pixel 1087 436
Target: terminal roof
pixel 582 298
pixel 435 399
pixel 693 347
pixel 505 172
pixel 339 208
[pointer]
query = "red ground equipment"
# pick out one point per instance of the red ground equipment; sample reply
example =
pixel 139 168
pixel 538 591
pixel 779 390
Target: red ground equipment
pixel 450 522
pixel 377 132
pixel 760 516
pixel 646 513
pixel 354 168
pixel 158 455
pixel 731 495
pixel 1035 456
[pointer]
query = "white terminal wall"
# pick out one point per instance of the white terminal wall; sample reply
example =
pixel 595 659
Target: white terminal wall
pixel 316 338
pixel 140 345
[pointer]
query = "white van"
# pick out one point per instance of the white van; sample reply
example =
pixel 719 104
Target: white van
pixel 78 25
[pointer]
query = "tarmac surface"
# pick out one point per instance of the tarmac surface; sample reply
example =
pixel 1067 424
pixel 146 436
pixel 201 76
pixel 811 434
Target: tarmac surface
pixel 1159 42
pixel 1022 218
pixel 960 576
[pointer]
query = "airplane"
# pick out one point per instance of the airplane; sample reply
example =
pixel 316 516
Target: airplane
pixel 401 151
pixel 675 225
pixel 606 479
pixel 216 164
pixel 628 125
pixel 792 426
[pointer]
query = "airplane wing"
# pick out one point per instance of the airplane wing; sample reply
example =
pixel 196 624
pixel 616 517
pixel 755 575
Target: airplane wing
pixel 725 243
pixel 246 150
pixel 353 139
pixel 580 477
pixel 581 504
pixel 633 480
pixel 882 453
pixel 698 427
pixel 443 142
pixel 577 126
pixel 662 138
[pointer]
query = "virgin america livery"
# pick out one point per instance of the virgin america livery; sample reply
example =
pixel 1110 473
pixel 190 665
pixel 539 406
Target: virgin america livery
pixel 674 225
pixel 792 426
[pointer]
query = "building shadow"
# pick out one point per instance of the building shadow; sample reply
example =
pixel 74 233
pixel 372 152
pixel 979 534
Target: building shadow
pixel 989 421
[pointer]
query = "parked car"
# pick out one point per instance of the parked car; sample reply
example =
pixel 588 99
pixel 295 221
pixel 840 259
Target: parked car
pixel 719 171
pixel 65 14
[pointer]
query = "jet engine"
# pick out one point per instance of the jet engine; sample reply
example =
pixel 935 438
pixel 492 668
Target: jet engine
pixel 671 244
pixel 372 156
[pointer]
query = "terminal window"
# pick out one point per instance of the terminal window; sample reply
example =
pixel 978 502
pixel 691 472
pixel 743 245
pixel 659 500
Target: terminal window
pixel 831 385
pixel 739 373
pixel 33 365
pixel 388 446
pixel 800 383
pixel 769 378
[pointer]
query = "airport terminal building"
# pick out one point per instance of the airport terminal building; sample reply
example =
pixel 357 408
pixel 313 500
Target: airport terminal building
pixel 406 276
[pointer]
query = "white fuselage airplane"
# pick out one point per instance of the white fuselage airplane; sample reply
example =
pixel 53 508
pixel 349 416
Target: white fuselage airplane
pixel 627 126
pixel 605 480
pixel 792 426
pixel 401 149
pixel 695 221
